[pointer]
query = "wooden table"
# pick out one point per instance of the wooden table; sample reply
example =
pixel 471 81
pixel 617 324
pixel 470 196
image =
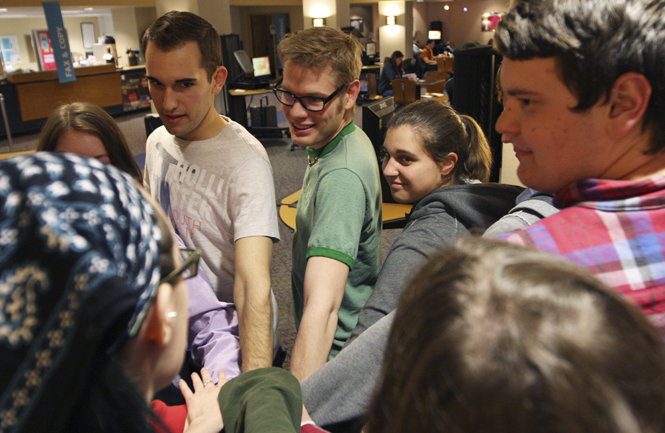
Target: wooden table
pixel 393 213
pixel 420 83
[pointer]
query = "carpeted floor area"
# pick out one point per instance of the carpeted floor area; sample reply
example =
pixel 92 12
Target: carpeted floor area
pixel 288 170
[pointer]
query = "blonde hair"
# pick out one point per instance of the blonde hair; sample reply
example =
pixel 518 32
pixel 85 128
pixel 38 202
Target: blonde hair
pixel 323 47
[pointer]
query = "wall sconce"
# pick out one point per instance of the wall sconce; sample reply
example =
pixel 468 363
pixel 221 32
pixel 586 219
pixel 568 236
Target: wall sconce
pixel 318 22
pixel 391 20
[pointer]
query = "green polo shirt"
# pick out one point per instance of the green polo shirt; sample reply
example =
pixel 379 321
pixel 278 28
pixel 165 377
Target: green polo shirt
pixel 339 216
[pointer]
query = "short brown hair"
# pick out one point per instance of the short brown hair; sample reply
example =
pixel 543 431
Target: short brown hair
pixel 173 29
pixel 494 337
pixel 323 47
pixel 593 44
pixel 89 118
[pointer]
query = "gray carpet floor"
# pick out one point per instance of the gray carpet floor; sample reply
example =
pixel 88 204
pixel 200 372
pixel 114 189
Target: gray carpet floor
pixel 288 170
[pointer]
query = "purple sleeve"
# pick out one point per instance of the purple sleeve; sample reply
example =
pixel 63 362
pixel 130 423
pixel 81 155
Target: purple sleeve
pixel 213 331
pixel 213 338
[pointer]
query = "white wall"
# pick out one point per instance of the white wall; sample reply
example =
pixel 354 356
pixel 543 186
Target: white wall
pixel 509 166
pixel 395 37
pixel 125 32
pixel 458 26
pixel 20 27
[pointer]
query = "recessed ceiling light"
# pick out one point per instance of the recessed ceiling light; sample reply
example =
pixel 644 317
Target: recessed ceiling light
pixel 88 9
pixel 3 9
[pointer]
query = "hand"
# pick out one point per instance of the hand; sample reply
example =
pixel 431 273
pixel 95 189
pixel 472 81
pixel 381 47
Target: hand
pixel 203 412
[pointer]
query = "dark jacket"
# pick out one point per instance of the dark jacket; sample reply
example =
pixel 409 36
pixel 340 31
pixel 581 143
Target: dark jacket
pixel 435 222
pixel 388 73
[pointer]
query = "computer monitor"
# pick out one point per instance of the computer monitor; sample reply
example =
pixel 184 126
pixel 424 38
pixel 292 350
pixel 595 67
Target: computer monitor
pixel 261 66
pixel 243 60
pixel 370 49
pixel 434 35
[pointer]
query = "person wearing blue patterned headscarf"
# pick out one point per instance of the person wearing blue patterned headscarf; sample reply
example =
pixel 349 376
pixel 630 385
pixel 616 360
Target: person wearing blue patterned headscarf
pixel 82 253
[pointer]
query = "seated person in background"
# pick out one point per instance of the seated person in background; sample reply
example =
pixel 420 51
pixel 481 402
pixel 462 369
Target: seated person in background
pixel 392 68
pixel 585 114
pixel 94 307
pixel 416 51
pixel 437 160
pixel 491 337
pixel 427 55
pixel 427 58
pixel 86 129
pixel 444 48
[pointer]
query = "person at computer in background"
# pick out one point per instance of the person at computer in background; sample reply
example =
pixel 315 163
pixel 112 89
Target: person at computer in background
pixel 211 176
pixel 392 68
pixel 427 56
pixel 336 245
pixel 491 337
pixel 585 114
pixel 86 129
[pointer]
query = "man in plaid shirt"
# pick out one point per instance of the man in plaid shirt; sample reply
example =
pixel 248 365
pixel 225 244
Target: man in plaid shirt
pixel 584 106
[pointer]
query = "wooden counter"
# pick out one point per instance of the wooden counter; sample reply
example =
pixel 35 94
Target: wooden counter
pixel 39 93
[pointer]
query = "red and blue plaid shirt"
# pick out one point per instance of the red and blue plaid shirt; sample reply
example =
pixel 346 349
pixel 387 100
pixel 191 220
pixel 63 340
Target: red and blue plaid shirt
pixel 615 229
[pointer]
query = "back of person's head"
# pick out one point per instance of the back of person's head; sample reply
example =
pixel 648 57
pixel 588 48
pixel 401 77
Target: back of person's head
pixel 89 118
pixel 491 337
pixel 175 28
pixel 441 130
pixel 323 49
pixel 594 43
pixel 82 255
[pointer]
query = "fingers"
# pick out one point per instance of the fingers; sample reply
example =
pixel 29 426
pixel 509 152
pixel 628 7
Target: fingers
pixel 184 389
pixel 206 378
pixel 221 378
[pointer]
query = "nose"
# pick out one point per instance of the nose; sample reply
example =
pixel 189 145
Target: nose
pixel 507 125
pixel 297 110
pixel 389 167
pixel 170 102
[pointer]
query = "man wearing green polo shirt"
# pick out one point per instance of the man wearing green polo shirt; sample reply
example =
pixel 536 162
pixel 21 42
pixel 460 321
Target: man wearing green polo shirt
pixel 336 246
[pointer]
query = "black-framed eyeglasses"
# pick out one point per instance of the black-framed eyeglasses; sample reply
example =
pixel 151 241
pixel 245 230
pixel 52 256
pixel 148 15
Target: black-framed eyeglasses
pixel 309 103
pixel 187 269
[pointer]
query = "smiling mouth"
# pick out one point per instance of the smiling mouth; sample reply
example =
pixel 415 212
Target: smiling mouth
pixel 301 127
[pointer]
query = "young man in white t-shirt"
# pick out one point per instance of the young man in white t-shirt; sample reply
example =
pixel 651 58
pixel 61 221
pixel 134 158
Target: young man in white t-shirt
pixel 211 176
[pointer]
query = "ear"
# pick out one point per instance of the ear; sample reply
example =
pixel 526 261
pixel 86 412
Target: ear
pixel 448 165
pixel 628 103
pixel 352 92
pixel 159 330
pixel 218 79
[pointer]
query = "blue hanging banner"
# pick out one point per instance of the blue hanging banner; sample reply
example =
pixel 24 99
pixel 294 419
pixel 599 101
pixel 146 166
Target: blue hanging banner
pixel 59 42
pixel 280 31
